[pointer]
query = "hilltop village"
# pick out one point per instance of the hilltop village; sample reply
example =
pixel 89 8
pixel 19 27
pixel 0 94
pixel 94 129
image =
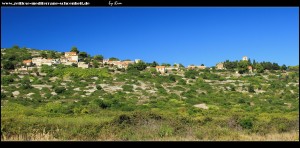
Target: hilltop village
pixel 48 95
pixel 71 58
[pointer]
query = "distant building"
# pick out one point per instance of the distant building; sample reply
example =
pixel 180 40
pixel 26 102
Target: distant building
pixel 129 62
pixel 220 66
pixel 250 69
pixel 71 57
pixel 161 69
pixel 201 67
pixel 105 61
pixel 82 65
pixel 171 68
pixel 137 60
pixel 245 58
pixel 47 62
pixel 191 67
pixel 55 61
pixel 39 61
pixel 69 54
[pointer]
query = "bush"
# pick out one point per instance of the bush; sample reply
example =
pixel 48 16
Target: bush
pixel 99 87
pixel 3 95
pixel 6 80
pixel 26 86
pixel 181 82
pixel 191 74
pixel 127 88
pixel 59 90
pixel 246 123
pixel 101 103
pixel 172 78
pixel 251 89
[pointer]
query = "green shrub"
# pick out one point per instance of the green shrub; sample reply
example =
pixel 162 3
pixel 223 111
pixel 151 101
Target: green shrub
pixel 165 130
pixel 6 80
pixel 127 88
pixel 99 87
pixel 246 123
pixel 59 90
pixel 3 95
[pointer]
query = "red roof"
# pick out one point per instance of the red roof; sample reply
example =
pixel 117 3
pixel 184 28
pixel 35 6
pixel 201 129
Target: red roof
pixel 71 53
pixel 27 61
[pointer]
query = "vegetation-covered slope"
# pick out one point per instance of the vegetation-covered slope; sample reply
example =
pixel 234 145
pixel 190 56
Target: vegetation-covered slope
pixel 68 103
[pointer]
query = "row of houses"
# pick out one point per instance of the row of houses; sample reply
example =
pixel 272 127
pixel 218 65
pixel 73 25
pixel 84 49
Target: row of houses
pixel 220 66
pixel 164 69
pixel 195 67
pixel 72 58
pixel 68 59
pixel 120 64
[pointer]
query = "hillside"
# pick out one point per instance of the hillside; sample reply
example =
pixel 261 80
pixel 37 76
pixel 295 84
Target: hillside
pixel 64 102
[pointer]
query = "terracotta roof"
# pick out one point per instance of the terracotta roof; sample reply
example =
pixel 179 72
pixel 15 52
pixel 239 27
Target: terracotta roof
pixel 27 61
pixel 71 53
pixel 160 66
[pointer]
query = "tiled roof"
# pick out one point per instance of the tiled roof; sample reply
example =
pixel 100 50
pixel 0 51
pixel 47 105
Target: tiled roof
pixel 27 61
pixel 71 53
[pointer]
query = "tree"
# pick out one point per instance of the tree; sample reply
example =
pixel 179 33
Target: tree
pixel 259 68
pixel 202 64
pixel 283 67
pixel 165 64
pixel 180 65
pixel 98 57
pixel 230 65
pixel 82 55
pixel 8 65
pixel 138 66
pixel 96 64
pixel 74 49
pixel 254 63
pixel 275 66
pixel 191 74
pixel 51 55
pixel 43 54
pixel 16 47
pixel 154 64
pixel 249 61
pixel 114 59
pixel 243 67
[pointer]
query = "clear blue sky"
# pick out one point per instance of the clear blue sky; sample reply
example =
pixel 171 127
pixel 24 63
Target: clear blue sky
pixel 187 35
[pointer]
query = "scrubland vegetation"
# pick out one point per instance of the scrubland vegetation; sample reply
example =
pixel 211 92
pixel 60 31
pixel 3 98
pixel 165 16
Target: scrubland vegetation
pixel 68 103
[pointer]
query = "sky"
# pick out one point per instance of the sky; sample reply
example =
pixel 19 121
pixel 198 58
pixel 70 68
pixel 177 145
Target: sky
pixel 186 35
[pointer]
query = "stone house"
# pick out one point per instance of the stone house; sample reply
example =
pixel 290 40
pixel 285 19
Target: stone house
pixel 191 67
pixel 245 58
pixel 82 65
pixel 201 67
pixel 161 69
pixel 220 66
pixel 71 57
pixel 250 68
